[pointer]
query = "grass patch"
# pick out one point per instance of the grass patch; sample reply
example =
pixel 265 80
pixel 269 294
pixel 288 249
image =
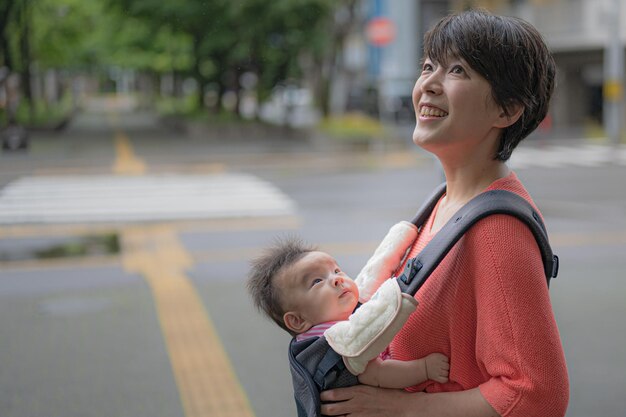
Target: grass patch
pixel 86 246
pixel 186 108
pixel 352 127
pixel 44 114
pixel 177 106
pixel 595 132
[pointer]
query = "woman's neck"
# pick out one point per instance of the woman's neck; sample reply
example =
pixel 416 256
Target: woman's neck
pixel 464 182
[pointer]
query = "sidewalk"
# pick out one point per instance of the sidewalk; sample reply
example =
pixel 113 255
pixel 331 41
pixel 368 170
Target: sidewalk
pixel 88 146
pixel 276 147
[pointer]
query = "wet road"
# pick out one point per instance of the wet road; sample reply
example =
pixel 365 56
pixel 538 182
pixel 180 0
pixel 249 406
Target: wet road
pixel 165 328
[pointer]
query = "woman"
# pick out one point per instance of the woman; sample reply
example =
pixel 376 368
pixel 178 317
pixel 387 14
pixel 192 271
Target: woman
pixel 485 84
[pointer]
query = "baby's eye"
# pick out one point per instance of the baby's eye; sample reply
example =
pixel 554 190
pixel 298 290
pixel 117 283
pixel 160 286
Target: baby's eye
pixel 337 271
pixel 316 281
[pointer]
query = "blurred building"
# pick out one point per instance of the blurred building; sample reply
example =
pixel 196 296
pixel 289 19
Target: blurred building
pixel 576 31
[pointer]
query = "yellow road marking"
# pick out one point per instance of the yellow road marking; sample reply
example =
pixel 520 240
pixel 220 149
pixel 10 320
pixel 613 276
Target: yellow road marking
pixel 243 254
pixel 99 261
pixel 126 163
pixel 208 168
pixel 47 230
pixel 587 239
pixel 205 378
pixel 241 224
pixel 400 159
pixel 207 226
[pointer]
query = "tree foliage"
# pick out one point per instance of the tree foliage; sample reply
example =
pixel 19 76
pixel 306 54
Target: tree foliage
pixel 213 41
pixel 229 38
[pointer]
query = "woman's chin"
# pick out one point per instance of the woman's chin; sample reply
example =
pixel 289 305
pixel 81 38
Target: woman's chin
pixel 419 138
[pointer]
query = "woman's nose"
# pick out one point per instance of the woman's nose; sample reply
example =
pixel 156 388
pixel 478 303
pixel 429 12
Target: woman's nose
pixel 431 83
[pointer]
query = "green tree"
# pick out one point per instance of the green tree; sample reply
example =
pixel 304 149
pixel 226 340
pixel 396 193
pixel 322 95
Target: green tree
pixel 214 42
pixel 229 38
pixel 193 19
pixel 7 14
pixel 277 38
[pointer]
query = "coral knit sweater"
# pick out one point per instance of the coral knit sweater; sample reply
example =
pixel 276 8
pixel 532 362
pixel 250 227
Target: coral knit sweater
pixel 487 307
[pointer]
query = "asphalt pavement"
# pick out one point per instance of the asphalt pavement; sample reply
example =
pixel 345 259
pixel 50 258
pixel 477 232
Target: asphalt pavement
pixel 164 327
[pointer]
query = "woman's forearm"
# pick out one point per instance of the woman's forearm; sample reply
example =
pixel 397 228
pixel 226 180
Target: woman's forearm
pixel 470 403
pixel 366 401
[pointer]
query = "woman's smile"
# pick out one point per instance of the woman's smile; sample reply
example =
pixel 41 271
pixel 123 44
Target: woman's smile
pixel 431 112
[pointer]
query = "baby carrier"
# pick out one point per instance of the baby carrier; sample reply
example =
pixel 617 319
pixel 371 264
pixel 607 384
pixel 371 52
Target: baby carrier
pixel 316 366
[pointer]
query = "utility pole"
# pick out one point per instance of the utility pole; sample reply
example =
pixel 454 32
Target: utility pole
pixel 613 76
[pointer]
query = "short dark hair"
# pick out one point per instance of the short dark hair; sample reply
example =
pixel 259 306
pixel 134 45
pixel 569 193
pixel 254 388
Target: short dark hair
pixel 510 54
pixel 264 270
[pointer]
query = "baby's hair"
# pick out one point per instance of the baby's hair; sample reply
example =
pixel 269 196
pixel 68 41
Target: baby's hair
pixel 264 270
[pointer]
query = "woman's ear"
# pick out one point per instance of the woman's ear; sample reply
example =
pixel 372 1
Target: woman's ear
pixel 515 111
pixel 295 323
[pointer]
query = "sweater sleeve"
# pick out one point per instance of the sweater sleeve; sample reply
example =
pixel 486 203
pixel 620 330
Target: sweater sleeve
pixel 517 341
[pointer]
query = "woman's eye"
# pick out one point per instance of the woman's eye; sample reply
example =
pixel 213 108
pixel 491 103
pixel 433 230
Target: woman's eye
pixel 427 67
pixel 457 69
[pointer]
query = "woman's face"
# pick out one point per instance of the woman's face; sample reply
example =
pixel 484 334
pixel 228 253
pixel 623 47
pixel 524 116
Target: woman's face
pixel 454 108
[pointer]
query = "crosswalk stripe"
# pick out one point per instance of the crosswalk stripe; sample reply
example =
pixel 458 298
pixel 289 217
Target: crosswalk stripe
pixel 584 155
pixel 67 199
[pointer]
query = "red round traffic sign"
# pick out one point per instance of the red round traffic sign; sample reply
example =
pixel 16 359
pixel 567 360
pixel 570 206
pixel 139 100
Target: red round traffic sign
pixel 380 31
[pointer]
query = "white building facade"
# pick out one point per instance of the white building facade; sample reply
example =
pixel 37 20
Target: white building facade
pixel 577 31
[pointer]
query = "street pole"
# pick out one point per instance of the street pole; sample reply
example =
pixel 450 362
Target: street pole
pixel 614 76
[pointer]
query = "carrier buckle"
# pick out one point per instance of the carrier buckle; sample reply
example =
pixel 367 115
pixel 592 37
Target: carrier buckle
pixel 555 266
pixel 413 266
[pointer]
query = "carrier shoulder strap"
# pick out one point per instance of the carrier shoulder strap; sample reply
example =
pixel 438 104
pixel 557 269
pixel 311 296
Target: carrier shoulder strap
pixel 428 206
pixel 418 269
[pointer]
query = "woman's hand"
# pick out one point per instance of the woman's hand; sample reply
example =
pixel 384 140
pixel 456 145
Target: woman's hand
pixel 366 401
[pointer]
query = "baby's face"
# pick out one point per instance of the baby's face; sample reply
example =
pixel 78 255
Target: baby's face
pixel 317 290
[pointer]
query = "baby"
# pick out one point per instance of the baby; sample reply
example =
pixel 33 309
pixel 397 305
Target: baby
pixel 305 292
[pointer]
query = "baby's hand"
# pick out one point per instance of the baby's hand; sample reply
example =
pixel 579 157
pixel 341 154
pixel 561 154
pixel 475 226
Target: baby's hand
pixel 437 367
pixel 370 375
